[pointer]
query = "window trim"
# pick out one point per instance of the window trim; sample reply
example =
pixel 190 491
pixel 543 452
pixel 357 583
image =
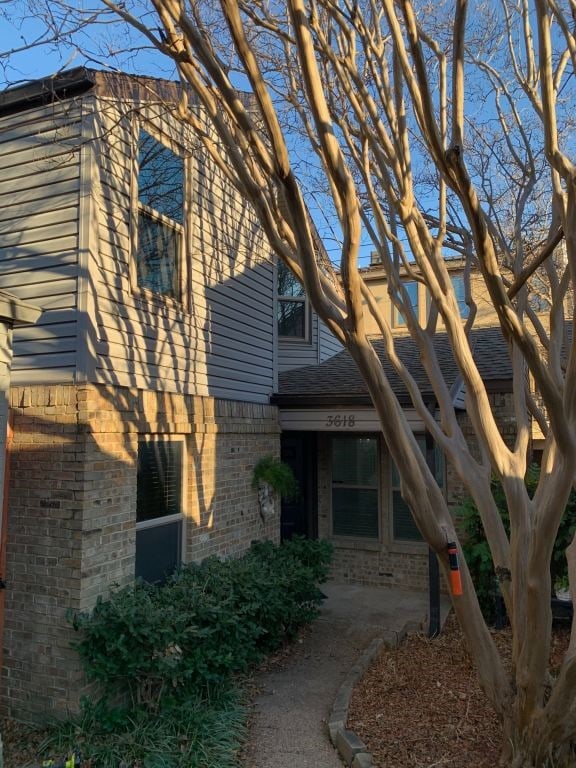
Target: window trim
pixel 340 538
pixel 285 299
pixel 182 300
pixel 156 522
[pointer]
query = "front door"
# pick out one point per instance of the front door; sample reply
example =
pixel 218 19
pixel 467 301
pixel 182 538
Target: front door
pixel 299 515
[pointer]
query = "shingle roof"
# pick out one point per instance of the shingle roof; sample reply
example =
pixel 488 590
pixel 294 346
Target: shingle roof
pixel 338 379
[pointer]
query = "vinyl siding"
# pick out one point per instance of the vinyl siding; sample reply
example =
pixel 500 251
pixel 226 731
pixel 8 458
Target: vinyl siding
pixel 320 346
pixel 221 344
pixel 39 225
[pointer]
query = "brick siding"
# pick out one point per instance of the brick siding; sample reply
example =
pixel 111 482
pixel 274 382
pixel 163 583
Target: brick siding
pixel 72 512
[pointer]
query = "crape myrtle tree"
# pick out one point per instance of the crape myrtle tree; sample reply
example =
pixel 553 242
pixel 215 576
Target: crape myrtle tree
pixel 430 129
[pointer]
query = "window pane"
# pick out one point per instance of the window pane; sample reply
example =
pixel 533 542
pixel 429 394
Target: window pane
pixel 355 512
pixel 160 178
pixel 159 485
pixel 292 319
pixel 355 509
pixel 405 528
pixel 460 291
pixel 287 283
pixel 354 461
pixel 412 289
pixel 158 551
pixel 157 256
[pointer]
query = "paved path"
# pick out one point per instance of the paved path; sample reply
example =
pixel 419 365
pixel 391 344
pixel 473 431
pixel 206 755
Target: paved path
pixel 289 725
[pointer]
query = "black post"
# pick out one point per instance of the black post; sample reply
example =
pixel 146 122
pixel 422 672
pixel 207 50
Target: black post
pixel 433 567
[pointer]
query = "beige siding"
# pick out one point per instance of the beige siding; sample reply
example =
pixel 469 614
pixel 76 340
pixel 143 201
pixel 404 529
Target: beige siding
pixel 39 214
pixel 222 343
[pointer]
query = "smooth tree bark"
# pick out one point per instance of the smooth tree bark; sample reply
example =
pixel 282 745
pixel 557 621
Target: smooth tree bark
pixel 433 131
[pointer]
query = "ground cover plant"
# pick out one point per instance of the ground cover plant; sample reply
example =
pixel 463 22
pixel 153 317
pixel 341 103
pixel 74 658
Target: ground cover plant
pixel 167 658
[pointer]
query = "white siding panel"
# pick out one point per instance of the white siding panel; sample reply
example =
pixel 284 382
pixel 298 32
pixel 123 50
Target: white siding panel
pixel 329 344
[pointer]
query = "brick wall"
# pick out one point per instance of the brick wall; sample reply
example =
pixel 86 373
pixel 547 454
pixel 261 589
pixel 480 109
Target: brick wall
pixel 386 562
pixel 71 530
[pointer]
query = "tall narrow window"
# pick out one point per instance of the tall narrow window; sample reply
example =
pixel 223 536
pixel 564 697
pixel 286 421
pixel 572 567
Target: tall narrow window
pixel 160 217
pixel 291 305
pixel 159 516
pixel 355 486
pixel 460 290
pixel 412 291
pixel 404 527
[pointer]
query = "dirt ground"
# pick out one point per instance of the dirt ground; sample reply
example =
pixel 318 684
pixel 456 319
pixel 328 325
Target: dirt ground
pixel 420 706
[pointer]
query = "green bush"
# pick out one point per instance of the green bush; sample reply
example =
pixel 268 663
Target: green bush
pixel 201 732
pixel 477 552
pixel 207 623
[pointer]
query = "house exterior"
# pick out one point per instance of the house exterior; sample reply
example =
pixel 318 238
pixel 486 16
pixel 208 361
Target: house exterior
pixel 350 487
pixel 140 398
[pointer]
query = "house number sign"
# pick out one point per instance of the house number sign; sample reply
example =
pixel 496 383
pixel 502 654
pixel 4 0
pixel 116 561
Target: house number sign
pixel 340 420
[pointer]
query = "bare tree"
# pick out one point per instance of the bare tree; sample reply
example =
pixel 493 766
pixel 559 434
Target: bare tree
pixel 429 135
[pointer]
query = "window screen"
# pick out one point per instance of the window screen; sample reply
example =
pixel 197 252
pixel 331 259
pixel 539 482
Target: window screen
pixel 355 486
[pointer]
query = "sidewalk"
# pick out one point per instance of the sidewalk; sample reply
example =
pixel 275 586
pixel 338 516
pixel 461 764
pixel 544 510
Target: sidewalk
pixel 289 725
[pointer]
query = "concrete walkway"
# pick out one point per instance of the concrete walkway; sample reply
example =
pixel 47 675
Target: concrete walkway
pixel 289 725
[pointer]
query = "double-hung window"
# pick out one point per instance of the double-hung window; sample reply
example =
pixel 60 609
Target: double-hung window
pixel 355 486
pixel 160 233
pixel 292 310
pixel 159 517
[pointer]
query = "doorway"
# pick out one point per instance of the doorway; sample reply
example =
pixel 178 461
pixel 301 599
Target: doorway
pixel 299 515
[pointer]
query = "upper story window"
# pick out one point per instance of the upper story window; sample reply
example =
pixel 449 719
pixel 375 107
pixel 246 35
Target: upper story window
pixel 160 218
pixel 411 288
pixel 460 291
pixel 292 309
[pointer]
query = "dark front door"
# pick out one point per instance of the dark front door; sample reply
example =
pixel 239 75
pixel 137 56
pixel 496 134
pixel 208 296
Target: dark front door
pixel 299 516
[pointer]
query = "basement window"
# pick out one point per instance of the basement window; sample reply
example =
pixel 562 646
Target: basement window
pixel 159 518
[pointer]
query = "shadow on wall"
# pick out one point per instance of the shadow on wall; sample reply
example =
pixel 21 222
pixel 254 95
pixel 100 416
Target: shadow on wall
pixel 72 527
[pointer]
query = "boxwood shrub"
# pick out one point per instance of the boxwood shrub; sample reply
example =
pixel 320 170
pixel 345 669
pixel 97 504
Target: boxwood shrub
pixel 205 624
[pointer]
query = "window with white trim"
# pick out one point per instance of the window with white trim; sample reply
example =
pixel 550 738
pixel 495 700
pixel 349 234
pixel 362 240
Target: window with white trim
pixel 159 517
pixel 403 526
pixel 160 232
pixel 355 486
pixel 292 306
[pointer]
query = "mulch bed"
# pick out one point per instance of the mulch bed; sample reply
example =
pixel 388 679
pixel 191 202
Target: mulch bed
pixel 420 706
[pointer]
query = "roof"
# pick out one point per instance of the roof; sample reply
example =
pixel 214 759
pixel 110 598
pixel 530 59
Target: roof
pixel 80 80
pixel 338 381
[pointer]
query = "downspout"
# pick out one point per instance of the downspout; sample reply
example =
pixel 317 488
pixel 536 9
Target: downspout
pixel 3 534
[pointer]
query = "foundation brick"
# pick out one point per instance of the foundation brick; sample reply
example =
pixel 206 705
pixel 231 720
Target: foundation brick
pixel 72 513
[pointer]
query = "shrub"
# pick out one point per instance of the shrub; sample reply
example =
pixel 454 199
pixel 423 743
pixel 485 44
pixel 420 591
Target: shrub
pixel 201 732
pixel 477 552
pixel 207 623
